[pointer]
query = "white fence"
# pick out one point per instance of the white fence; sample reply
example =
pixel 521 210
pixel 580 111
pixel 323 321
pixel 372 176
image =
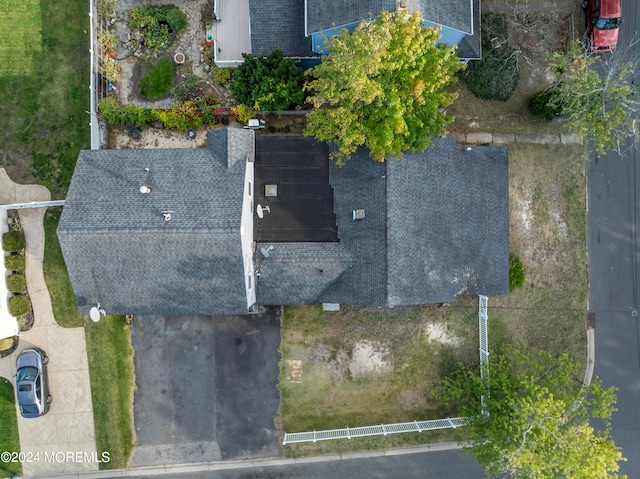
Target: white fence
pixel 415 426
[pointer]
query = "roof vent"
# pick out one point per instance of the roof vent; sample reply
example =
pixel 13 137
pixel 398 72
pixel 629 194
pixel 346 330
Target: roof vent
pixel 145 190
pixel 358 215
pixel 166 215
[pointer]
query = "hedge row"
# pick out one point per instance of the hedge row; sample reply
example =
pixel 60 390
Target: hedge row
pixel 190 114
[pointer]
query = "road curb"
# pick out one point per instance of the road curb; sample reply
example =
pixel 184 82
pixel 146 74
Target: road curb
pixel 246 464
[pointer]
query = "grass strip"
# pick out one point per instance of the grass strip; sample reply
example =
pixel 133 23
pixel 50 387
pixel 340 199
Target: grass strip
pixel 111 373
pixel 9 438
pixel 63 301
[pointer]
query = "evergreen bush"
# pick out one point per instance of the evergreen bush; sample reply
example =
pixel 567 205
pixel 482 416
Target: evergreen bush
pixel 496 76
pixel 16 283
pixel 13 241
pixel 19 305
pixel 14 262
pixel 546 104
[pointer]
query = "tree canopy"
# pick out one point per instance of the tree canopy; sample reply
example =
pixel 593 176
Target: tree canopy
pixel 272 83
pixel 597 100
pixel 382 86
pixel 537 418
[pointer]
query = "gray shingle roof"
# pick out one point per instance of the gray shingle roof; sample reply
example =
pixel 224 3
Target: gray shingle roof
pixel 456 14
pixel 279 25
pixel 298 273
pixel 448 224
pixel 435 227
pixel 119 250
pixel 322 14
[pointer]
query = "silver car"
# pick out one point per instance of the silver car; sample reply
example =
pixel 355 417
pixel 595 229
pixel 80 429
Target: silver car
pixel 31 383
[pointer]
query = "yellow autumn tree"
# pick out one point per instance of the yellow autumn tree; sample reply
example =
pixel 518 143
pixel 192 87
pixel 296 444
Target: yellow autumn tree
pixel 384 86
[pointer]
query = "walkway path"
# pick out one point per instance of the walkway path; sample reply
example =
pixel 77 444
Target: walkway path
pixel 511 138
pixel 68 427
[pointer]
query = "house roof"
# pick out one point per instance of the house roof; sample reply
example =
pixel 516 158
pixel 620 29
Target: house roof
pixel 120 251
pixel 279 25
pixel 321 15
pixel 457 14
pixel 436 226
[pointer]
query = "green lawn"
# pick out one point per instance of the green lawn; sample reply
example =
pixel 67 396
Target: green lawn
pixel 157 81
pixel 20 46
pixel 63 301
pixel 547 231
pixel 9 439
pixel 44 89
pixel 111 373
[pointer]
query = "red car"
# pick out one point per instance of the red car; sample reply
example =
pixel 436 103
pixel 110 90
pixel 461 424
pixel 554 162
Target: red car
pixel 603 22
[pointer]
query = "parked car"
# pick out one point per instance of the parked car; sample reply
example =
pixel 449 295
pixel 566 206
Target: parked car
pixel 603 22
pixel 31 383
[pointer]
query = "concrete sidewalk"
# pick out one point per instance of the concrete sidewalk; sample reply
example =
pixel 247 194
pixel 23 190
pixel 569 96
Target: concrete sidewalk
pixel 514 138
pixel 69 426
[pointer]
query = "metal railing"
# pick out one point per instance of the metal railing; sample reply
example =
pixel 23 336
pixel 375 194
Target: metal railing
pixel 415 426
pixel 484 349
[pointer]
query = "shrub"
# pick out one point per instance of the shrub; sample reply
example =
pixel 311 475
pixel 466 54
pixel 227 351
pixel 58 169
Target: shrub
pixel 516 272
pixel 157 81
pixel 273 83
pixel 106 8
pixel 108 41
pixel 496 76
pixel 181 117
pixel 546 103
pixel 14 262
pixel 110 69
pixel 19 305
pixel 16 283
pixel 243 113
pixel 156 23
pixel 6 343
pixel 13 241
pixel 220 76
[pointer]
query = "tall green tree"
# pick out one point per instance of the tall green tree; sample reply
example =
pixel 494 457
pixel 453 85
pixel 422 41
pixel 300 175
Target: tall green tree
pixel 597 99
pixel 272 83
pixel 536 423
pixel 382 86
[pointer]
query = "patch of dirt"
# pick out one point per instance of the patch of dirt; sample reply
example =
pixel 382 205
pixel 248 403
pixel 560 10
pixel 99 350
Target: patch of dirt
pixel 155 138
pixel 438 333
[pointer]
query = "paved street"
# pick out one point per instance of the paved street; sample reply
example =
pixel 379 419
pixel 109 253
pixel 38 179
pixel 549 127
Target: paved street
pixel 612 236
pixel 206 388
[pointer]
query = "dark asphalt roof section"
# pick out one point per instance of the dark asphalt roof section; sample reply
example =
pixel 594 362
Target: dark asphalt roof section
pixel 470 48
pixel 279 25
pixel 361 184
pixel 452 13
pixel 297 168
pixel 322 15
pixel 436 226
pixel 298 273
pixel 120 252
pixel 448 223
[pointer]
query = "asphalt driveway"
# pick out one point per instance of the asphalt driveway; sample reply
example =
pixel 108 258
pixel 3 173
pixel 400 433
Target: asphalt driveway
pixel 206 388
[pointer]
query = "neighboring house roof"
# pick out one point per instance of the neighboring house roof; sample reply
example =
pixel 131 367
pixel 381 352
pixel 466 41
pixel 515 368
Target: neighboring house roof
pixel 120 251
pixel 322 15
pixel 279 25
pixel 457 14
pixel 436 226
pixel 287 25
